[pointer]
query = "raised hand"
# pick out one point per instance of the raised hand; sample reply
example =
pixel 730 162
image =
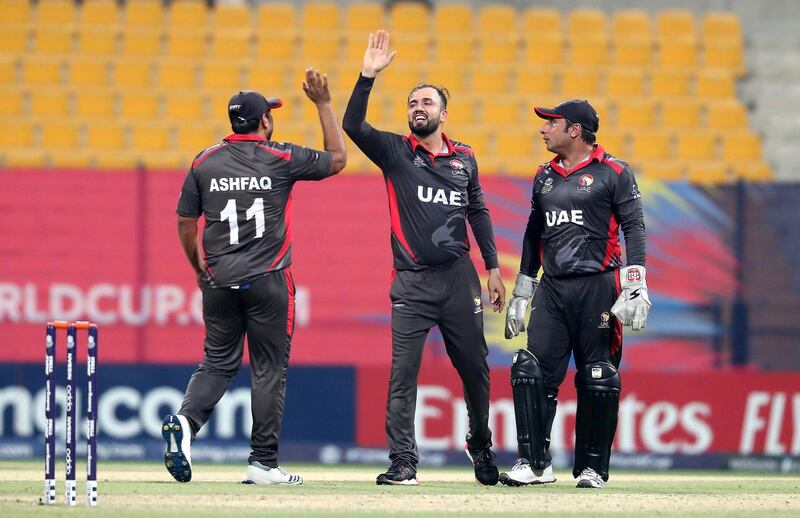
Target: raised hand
pixel 316 86
pixel 377 56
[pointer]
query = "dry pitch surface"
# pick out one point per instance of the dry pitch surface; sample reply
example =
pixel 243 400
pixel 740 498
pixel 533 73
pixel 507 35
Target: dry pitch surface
pixel 145 489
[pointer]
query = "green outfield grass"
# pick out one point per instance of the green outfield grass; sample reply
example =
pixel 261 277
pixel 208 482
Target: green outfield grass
pixel 146 490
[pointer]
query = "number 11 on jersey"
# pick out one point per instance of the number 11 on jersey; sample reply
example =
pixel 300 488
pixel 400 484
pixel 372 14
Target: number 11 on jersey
pixel 256 210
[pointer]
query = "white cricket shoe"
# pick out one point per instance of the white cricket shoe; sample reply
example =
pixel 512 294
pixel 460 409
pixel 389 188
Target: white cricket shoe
pixel 177 434
pixel 522 474
pixel 589 478
pixel 260 474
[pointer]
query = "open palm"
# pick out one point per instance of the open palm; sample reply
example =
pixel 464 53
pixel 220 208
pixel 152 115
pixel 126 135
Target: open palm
pixel 377 56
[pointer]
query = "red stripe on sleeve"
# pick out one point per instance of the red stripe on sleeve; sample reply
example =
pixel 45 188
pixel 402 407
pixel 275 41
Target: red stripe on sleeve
pixel 286 155
pixel 394 213
pixel 612 244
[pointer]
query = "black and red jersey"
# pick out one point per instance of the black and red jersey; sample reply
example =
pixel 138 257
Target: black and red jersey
pixel 243 188
pixel 573 228
pixel 431 197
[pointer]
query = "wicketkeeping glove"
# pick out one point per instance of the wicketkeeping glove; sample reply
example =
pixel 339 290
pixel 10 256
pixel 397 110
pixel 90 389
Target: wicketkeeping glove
pixel 633 304
pixel 523 292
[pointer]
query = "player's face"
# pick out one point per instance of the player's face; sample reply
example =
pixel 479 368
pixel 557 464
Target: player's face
pixel 425 114
pixel 557 137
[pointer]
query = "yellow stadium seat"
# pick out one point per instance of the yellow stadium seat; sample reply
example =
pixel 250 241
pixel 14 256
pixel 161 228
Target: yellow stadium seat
pixel 277 47
pixel 669 82
pixel 50 40
pixel 498 19
pixel 47 102
pixel 217 106
pixel 12 101
pixel 624 82
pixel 675 23
pixel 632 53
pixel 741 145
pixel 320 17
pixel 614 142
pixel 726 115
pixel 188 15
pixel 221 74
pixel 150 137
pixel 662 170
pixel 451 48
pixel 536 52
pixel 757 171
pixel 267 79
pixel 722 26
pixel 132 72
pixel 537 21
pixel 452 19
pixel 117 159
pixel 176 73
pixel 319 48
pixel 230 44
pixel 412 47
pixel 17 133
pixel 138 104
pixel 184 104
pixel 588 52
pixel 517 144
pixel 55 12
pixel 535 80
pixel 24 157
pixel 588 23
pixel 16 12
pixel 141 42
pixel 452 76
pixel 726 56
pixel 94 104
pixel 677 52
pixel 680 113
pixel 186 44
pixel 696 146
pixel 60 135
pixel 193 138
pixel 715 85
pixel 83 71
pixel 504 110
pixel 707 173
pixel 70 158
pixel 649 145
pixel 475 137
pixel 490 80
pixel 99 12
pixel 497 50
pixel 277 17
pixel 579 83
pixel 105 136
pixel 409 17
pixel 14 39
pixel 97 41
pixel 144 14
pixel 631 25
pixel 232 17
pixel 41 71
pixel 361 18
pixel 635 113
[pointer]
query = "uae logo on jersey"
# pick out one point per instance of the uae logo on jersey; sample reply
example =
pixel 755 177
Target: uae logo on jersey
pixel 585 182
pixel 458 167
pixel 604 318
pixel 548 186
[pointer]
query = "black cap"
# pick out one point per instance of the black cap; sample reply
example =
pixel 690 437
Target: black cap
pixel 249 104
pixel 576 110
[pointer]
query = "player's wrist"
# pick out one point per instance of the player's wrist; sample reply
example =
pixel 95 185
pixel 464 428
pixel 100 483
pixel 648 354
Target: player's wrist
pixel 525 286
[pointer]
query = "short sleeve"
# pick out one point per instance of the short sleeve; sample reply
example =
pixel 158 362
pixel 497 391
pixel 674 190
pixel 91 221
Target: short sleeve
pixel 189 204
pixel 309 164
pixel 626 189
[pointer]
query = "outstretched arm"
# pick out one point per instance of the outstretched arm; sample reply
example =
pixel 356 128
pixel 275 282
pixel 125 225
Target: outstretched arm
pixel 316 88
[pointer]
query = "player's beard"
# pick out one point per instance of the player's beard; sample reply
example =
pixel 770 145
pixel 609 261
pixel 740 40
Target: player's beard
pixel 426 129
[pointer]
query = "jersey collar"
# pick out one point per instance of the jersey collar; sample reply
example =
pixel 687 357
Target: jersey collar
pixel 415 143
pixel 596 156
pixel 237 137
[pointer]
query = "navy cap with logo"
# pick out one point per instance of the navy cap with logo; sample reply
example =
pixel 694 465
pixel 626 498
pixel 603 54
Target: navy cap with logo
pixel 249 104
pixel 576 110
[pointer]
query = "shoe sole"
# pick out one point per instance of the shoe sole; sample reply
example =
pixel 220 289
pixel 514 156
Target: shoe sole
pixel 252 482
pixel 384 482
pixel 253 471
pixel 508 481
pixel 175 461
pixel 585 484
